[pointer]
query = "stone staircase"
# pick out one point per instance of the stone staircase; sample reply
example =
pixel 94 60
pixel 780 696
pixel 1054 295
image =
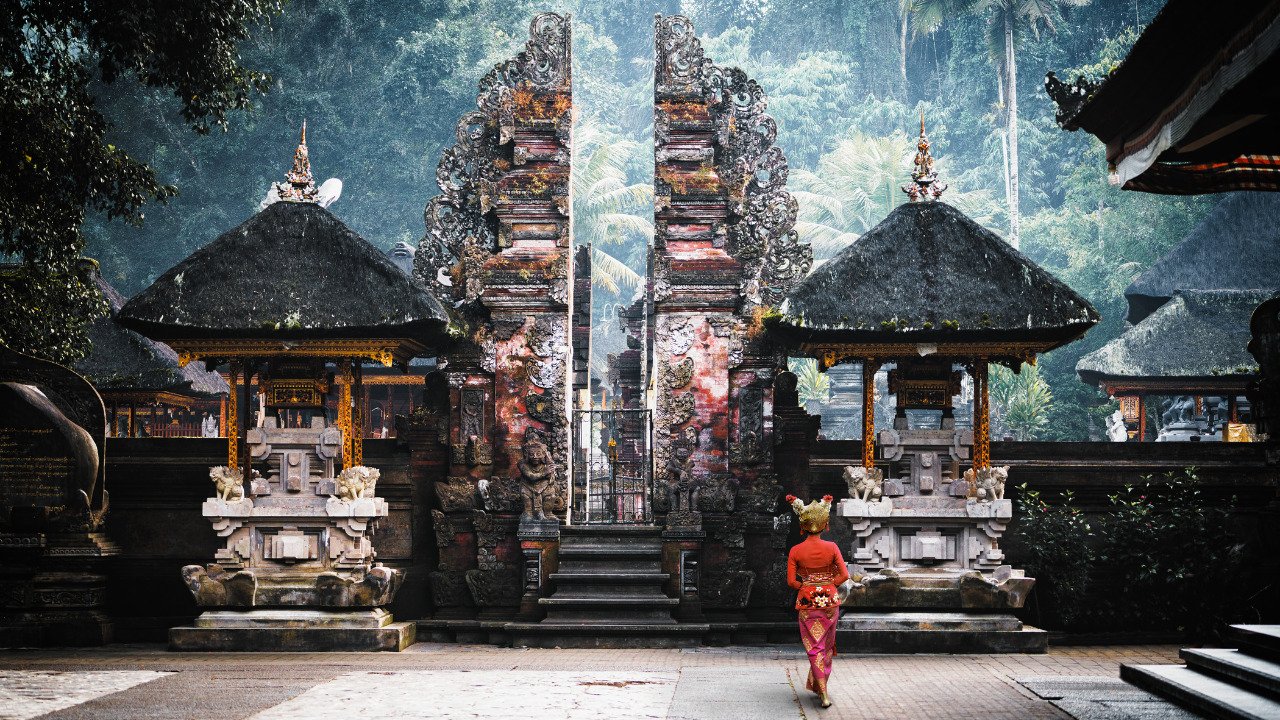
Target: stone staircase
pixel 1220 683
pixel 607 593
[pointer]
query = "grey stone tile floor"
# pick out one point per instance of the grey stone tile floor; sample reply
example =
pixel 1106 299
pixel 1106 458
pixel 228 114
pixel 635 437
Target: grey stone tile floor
pixel 474 682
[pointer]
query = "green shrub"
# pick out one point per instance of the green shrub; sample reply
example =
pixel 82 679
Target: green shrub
pixel 1055 539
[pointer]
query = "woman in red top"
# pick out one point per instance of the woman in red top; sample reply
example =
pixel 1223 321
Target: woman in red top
pixel 815 568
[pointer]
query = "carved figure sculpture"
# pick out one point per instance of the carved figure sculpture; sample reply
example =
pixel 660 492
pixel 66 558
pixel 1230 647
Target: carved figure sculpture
pixel 988 482
pixel 536 475
pixel 357 482
pixel 866 484
pixel 228 482
pixel 684 489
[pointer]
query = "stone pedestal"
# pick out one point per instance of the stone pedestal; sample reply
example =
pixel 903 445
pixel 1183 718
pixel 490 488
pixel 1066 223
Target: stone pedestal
pixel 539 546
pixel 682 561
pixel 294 630
pixel 54 590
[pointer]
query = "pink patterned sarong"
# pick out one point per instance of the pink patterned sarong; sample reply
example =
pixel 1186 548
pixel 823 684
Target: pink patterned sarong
pixel 818 633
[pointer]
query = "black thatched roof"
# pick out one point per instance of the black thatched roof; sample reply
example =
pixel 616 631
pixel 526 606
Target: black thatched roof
pixel 121 359
pixel 927 273
pixel 1236 247
pixel 292 271
pixel 1197 334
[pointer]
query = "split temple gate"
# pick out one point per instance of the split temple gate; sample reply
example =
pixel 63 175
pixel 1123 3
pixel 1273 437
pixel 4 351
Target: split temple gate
pixel 483 532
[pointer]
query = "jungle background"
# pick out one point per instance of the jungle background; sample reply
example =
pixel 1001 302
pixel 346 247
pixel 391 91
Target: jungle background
pixel 381 86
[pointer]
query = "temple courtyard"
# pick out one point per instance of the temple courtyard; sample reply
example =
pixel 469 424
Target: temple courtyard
pixel 446 681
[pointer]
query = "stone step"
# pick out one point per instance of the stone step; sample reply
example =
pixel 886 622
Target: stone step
pixel 1201 692
pixel 1260 640
pixel 609 577
pixel 607 532
pixel 653 600
pixel 1258 674
pixel 608 552
pixel 584 565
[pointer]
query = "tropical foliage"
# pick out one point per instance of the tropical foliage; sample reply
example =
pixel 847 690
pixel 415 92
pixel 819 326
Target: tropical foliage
pixel 382 85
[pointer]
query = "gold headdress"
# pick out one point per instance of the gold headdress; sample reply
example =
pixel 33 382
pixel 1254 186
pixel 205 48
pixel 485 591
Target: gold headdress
pixel 814 517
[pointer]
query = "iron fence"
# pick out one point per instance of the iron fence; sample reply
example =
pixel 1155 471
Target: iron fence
pixel 613 479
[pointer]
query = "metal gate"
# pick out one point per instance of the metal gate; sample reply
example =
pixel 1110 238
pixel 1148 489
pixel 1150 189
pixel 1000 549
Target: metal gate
pixel 613 478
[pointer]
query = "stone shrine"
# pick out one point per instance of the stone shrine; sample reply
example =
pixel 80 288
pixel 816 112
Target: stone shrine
pixel 295 506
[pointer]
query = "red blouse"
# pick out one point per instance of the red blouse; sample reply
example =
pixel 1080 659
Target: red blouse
pixel 815 567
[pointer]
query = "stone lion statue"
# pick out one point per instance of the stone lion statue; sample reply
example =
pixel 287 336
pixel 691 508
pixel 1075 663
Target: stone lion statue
pixel 228 483
pixel 866 484
pixel 988 482
pixel 357 482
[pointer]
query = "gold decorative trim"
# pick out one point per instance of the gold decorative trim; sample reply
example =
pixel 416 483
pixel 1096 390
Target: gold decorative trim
pixel 831 354
pixel 386 352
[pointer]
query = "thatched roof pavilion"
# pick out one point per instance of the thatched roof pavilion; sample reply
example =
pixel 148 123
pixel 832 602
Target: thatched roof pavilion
pixel 928 288
pixel 1233 248
pixel 1196 344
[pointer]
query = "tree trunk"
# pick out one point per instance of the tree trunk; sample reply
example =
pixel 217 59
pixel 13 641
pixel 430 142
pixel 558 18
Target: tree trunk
pixel 1011 75
pixel 902 49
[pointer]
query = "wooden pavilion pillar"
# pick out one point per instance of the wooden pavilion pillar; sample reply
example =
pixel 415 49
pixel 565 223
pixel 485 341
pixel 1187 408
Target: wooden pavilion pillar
pixel 981 416
pixel 359 413
pixel 245 414
pixel 133 419
pixel 1233 410
pixel 1142 418
pixel 344 412
pixel 869 368
pixel 231 417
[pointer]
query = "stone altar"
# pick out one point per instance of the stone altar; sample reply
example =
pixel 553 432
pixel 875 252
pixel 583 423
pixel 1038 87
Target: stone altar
pixel 297 570
pixel 926 561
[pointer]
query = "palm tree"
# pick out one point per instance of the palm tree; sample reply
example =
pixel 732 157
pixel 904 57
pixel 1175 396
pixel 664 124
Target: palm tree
pixel 1008 19
pixel 607 211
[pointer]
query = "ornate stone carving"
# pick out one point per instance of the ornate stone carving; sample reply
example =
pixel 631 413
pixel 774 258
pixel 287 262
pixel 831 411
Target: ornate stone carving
pixel 988 483
pixel 866 484
pixel 495 588
pixel 357 482
pixel 751 441
pixel 456 494
pixel 228 483
pixel 546 407
pixel 680 410
pixel 678 375
pixel 500 494
pixel 445 533
pixel 537 473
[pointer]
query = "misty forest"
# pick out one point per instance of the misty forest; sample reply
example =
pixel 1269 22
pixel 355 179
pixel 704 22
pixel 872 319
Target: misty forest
pixel 380 86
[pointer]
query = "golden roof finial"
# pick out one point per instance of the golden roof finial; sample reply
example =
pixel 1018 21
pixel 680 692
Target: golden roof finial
pixel 924 183
pixel 299 185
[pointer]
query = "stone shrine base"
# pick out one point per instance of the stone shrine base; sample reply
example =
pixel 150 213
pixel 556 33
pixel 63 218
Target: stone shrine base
pixel 861 632
pixel 294 630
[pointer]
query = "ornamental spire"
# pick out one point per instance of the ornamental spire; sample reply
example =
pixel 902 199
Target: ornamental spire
pixel 299 185
pixel 924 183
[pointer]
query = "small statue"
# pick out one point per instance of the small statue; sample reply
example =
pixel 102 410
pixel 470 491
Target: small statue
pixel 228 483
pixel 1116 430
pixel 866 484
pixel 357 482
pixel 988 482
pixel 684 489
pixel 536 475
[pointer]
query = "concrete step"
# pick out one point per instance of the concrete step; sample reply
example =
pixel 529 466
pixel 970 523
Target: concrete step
pixel 1201 692
pixel 1254 673
pixel 1260 640
pixel 609 532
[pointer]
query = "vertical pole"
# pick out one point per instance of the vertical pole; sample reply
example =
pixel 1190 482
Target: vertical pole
pixel 869 367
pixel 1233 409
pixel 1142 418
pixel 981 417
pixel 344 412
pixel 360 413
pixel 231 418
pixel 242 437
pixel 133 419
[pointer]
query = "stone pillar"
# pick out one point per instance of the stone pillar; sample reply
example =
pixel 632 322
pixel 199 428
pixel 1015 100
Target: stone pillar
pixel 539 548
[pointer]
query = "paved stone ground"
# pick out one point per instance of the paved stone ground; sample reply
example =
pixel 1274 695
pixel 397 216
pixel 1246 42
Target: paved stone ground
pixel 475 682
